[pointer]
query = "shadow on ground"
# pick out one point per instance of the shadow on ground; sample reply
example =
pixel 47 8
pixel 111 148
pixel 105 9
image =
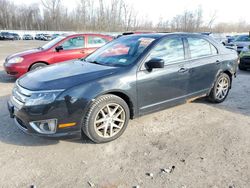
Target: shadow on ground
pixel 5 78
pixel 238 99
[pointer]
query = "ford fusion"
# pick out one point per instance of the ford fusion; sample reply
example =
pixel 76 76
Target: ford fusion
pixel 127 78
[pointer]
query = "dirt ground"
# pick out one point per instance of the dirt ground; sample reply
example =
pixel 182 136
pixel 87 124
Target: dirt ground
pixel 209 146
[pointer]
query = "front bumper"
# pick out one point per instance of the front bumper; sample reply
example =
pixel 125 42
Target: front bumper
pixel 23 116
pixel 15 70
pixel 245 62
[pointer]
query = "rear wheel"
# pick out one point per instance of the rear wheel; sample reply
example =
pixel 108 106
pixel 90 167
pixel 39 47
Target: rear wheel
pixel 106 119
pixel 37 66
pixel 221 89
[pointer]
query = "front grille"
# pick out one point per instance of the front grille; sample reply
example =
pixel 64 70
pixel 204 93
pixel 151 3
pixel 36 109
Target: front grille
pixel 20 95
pixel 21 123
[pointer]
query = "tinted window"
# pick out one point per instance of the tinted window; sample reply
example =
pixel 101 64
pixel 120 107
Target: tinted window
pixel 94 41
pixel 199 47
pixel 243 38
pixel 170 50
pixel 73 43
pixel 52 43
pixel 121 52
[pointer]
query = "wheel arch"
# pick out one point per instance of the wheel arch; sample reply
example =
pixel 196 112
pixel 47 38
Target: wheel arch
pixel 44 62
pixel 230 76
pixel 127 99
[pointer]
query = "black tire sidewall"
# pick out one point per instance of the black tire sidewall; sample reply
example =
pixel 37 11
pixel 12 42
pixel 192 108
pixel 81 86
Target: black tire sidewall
pixel 98 104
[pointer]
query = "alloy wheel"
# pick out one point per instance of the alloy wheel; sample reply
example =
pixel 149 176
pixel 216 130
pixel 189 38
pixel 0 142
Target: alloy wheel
pixel 109 120
pixel 222 88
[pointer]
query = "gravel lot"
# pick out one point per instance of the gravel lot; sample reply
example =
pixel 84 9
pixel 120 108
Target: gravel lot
pixel 209 146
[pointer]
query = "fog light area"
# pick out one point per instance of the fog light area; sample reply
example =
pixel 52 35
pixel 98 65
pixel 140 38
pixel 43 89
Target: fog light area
pixel 45 126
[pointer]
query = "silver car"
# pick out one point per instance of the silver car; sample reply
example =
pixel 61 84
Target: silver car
pixel 241 41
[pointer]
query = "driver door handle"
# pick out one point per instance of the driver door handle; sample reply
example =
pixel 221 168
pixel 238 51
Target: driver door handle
pixel 183 70
pixel 217 62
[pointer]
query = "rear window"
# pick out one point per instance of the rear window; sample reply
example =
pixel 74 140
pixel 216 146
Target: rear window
pixel 243 38
pixel 201 48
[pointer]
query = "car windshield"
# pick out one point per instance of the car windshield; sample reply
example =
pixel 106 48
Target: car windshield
pixel 52 43
pixel 243 38
pixel 121 52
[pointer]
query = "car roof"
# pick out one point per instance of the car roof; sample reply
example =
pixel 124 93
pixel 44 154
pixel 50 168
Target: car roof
pixel 80 34
pixel 160 35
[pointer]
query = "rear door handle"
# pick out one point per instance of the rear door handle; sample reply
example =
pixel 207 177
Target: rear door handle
pixel 183 70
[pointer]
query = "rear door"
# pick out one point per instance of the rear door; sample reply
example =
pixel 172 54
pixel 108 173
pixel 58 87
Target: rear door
pixel 73 48
pixel 204 65
pixel 166 86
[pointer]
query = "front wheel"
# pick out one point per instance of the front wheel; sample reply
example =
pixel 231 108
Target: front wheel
pixel 37 66
pixel 106 119
pixel 221 89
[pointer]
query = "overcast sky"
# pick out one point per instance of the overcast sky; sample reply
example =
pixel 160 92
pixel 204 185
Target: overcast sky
pixel 226 11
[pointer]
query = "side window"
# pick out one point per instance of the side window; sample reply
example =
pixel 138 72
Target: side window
pixel 170 50
pixel 95 42
pixel 200 48
pixel 73 43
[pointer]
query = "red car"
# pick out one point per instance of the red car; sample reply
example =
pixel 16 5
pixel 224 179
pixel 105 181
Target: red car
pixel 62 48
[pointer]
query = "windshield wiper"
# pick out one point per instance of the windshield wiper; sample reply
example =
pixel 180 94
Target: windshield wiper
pixel 95 62
pixel 40 48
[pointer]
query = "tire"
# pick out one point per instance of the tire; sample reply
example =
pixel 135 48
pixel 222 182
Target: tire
pixel 37 66
pixel 220 89
pixel 99 121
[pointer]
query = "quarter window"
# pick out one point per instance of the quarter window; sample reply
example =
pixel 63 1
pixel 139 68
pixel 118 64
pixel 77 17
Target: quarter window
pixel 170 50
pixel 73 43
pixel 200 48
pixel 94 42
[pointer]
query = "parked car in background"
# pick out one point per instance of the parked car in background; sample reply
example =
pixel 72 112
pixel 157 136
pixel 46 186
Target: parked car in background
pixel 46 37
pixel 54 36
pixel 63 48
pixel 27 37
pixel 245 58
pixel 231 38
pixel 1 36
pixel 127 78
pixel 38 36
pixel 219 37
pixel 16 36
pixel 241 41
pixel 7 36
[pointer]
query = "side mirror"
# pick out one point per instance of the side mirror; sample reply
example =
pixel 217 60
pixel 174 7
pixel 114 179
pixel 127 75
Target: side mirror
pixel 154 64
pixel 59 48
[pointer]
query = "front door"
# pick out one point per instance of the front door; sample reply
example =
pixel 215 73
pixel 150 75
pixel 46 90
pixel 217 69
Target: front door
pixel 166 86
pixel 72 48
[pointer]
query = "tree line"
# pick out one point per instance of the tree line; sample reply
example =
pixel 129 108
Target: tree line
pixel 103 15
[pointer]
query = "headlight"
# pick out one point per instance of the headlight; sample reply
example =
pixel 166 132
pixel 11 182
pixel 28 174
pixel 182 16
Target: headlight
pixel 15 60
pixel 42 98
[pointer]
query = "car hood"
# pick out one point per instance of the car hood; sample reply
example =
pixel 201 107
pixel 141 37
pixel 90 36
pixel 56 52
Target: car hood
pixel 21 54
pixel 64 75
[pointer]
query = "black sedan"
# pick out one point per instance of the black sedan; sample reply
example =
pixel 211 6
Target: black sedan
pixel 127 78
pixel 6 36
